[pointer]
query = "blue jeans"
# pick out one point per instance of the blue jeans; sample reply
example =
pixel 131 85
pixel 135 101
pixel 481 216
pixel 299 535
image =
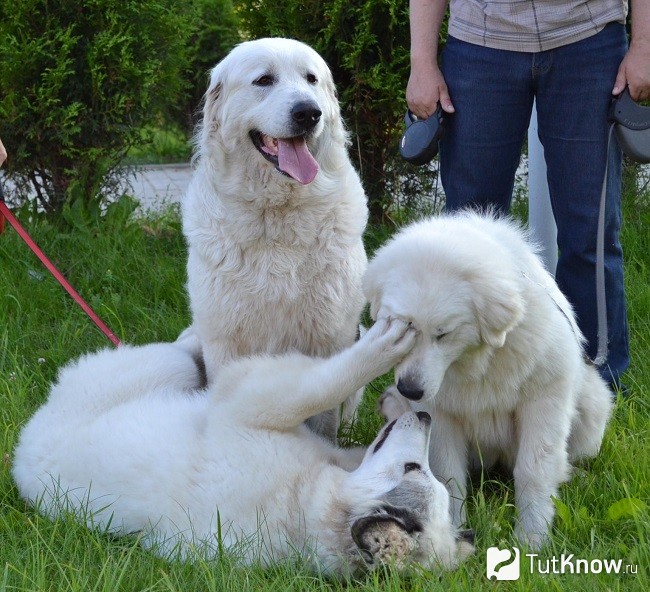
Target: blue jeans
pixel 493 91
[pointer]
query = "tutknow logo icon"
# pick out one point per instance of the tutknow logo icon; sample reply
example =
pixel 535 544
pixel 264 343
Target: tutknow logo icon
pixel 502 564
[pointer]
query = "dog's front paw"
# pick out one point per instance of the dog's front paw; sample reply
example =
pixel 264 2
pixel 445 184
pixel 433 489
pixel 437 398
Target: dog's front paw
pixel 388 342
pixel 392 405
pixel 532 540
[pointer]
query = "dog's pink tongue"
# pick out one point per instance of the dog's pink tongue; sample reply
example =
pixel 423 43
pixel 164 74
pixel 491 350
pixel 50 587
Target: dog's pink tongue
pixel 295 160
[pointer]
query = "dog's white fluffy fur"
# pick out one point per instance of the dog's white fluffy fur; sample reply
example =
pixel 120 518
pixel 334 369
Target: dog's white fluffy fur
pixel 499 361
pixel 125 442
pixel 275 265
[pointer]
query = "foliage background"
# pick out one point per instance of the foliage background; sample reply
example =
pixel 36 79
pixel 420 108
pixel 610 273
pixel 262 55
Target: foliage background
pixel 215 31
pixel 82 82
pixel 85 83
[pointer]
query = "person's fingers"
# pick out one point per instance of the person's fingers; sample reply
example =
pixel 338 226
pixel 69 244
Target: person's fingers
pixel 445 100
pixel 621 81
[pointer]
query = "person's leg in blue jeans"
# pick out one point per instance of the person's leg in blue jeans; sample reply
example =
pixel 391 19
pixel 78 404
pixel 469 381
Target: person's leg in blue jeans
pixel 573 98
pixel 492 93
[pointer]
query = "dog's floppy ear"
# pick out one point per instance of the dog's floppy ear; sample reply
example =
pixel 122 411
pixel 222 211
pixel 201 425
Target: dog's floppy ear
pixel 386 535
pixel 213 103
pixel 332 106
pixel 211 106
pixel 337 135
pixel 500 307
pixel 333 95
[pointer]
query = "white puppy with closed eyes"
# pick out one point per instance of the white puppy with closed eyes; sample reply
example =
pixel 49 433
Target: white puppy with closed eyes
pixel 498 363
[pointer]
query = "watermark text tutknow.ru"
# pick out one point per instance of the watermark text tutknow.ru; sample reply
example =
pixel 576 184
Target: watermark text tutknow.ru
pixel 507 564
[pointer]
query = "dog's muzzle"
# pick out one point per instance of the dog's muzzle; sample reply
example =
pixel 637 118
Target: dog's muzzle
pixel 291 155
pixel 305 116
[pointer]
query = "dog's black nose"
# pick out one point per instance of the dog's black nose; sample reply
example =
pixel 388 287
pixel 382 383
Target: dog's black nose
pixel 305 115
pixel 424 417
pixel 410 389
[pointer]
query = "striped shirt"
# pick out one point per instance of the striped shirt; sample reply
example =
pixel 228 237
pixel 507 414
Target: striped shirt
pixel 531 25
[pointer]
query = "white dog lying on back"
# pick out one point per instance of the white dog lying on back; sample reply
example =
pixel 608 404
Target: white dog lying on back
pixel 125 442
pixel 498 362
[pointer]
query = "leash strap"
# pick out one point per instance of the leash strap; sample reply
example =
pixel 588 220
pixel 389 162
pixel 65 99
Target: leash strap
pixel 601 300
pixel 5 212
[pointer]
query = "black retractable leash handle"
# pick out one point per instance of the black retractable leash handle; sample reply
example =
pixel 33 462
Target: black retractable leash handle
pixel 419 144
pixel 632 126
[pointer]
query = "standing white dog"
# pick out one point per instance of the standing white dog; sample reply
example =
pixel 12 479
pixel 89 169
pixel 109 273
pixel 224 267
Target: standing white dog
pixel 124 442
pixel 275 212
pixel 499 360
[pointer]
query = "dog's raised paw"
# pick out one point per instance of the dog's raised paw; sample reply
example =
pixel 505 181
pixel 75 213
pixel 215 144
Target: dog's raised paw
pixel 399 333
pixel 385 344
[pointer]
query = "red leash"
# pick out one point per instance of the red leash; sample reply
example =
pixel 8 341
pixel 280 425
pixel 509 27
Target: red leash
pixel 5 212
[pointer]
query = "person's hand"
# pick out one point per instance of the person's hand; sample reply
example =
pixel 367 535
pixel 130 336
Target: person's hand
pixel 634 72
pixel 3 153
pixel 426 87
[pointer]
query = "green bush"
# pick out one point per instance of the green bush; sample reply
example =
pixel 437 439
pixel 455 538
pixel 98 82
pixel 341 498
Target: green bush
pixel 366 44
pixel 78 79
pixel 215 32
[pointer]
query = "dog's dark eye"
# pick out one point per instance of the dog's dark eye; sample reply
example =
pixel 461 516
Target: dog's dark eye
pixel 311 78
pixel 440 336
pixel 264 80
pixel 412 466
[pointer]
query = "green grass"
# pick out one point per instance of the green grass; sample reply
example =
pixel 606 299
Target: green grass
pixel 134 278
